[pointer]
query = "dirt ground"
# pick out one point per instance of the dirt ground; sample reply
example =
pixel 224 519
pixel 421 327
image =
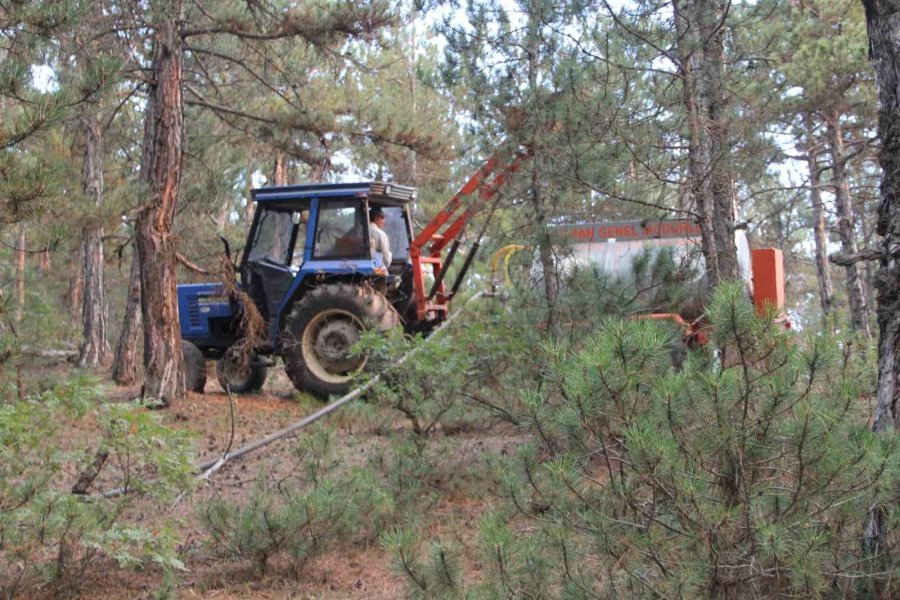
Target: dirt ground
pixel 358 570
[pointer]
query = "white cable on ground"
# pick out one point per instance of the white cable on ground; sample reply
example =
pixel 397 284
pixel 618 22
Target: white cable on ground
pixel 210 466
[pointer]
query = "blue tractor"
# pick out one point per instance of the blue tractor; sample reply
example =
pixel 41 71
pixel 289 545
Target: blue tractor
pixel 309 269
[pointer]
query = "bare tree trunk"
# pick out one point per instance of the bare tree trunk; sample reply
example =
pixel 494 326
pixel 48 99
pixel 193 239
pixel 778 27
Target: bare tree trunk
pixel 867 224
pixel 820 232
pixel 161 170
pixel 125 365
pixel 95 347
pixel 44 259
pixel 699 25
pixel 410 60
pixel 545 248
pixel 222 218
pixel 279 171
pixel 883 23
pixel 250 207
pixel 20 274
pixel 76 283
pixel 859 311
pixel 883 20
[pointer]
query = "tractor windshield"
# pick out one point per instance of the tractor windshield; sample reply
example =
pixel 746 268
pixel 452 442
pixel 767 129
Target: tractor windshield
pixel 273 236
pixel 276 232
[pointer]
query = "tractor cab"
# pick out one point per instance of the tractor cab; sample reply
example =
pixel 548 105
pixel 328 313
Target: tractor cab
pixel 302 234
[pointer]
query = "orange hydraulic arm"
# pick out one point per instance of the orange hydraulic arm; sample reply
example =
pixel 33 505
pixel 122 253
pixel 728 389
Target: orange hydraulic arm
pixel 427 248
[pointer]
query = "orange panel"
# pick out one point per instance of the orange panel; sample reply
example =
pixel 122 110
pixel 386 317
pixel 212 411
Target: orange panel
pixel 768 278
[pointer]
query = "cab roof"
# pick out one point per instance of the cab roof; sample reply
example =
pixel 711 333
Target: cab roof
pixel 381 192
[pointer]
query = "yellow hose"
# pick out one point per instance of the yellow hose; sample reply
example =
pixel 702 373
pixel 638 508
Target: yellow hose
pixel 504 253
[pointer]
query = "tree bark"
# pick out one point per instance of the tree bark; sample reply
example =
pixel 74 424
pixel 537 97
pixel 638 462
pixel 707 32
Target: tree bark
pixel 701 51
pixel 856 295
pixel 44 259
pixel 549 266
pixel 95 348
pixel 76 283
pixel 20 273
pixel 125 365
pixel 250 207
pixel 279 171
pixel 883 21
pixel 820 232
pixel 161 171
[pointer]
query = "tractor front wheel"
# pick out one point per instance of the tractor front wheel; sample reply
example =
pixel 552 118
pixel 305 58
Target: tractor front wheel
pixel 238 374
pixel 321 331
pixel 194 367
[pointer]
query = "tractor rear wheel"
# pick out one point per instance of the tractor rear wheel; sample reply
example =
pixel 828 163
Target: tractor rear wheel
pixel 238 373
pixel 194 367
pixel 321 331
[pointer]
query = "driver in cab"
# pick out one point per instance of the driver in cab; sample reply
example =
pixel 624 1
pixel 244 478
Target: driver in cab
pixel 379 241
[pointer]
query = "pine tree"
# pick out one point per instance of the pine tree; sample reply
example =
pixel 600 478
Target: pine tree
pixel 823 53
pixel 91 53
pixel 27 178
pixel 881 20
pixel 699 30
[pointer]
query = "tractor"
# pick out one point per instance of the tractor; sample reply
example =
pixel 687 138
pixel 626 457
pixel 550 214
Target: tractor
pixel 309 271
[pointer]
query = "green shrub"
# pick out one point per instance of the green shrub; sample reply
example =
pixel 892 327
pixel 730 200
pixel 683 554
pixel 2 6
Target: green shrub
pixel 324 504
pixel 462 378
pixel 749 473
pixel 48 534
pixel 438 575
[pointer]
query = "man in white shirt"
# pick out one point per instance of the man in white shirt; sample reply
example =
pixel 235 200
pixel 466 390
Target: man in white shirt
pixel 377 237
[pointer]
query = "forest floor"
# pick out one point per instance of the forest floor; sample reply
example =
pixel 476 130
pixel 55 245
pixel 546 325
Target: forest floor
pixel 362 569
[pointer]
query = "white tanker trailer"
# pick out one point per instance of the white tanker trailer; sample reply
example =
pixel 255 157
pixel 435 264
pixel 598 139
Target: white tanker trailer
pixel 612 249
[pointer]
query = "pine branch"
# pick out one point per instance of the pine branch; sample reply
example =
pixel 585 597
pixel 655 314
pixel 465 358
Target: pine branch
pixel 846 260
pixel 320 30
pixel 190 265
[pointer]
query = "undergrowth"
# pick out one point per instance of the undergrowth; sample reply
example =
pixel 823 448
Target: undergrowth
pixel 751 472
pixel 52 536
pixel 301 516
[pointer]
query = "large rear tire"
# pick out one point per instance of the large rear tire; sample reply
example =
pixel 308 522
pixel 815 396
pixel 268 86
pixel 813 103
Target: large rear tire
pixel 235 375
pixel 194 367
pixel 321 330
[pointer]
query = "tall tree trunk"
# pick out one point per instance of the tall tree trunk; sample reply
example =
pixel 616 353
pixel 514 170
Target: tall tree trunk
pixel 867 224
pixel 20 274
pixel 222 217
pixel 883 23
pixel 125 364
pixel 883 20
pixel 250 208
pixel 859 311
pixel 701 52
pixel 44 259
pixel 535 107
pixel 320 169
pixel 820 232
pixel 161 170
pixel 76 283
pixel 279 170
pixel 95 347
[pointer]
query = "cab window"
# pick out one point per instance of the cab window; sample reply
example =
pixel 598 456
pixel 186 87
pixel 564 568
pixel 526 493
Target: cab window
pixel 398 232
pixel 341 230
pixel 273 237
pixel 280 236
